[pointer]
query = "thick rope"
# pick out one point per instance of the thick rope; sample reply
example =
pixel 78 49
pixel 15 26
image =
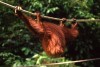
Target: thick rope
pixel 47 17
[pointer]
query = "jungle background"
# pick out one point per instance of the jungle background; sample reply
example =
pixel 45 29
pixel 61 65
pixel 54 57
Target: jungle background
pixel 19 47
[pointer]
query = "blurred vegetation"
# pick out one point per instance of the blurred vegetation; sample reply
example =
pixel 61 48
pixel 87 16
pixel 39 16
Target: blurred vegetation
pixel 19 47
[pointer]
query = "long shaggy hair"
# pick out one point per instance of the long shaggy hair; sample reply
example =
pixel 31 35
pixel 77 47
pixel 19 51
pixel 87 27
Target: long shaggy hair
pixel 53 37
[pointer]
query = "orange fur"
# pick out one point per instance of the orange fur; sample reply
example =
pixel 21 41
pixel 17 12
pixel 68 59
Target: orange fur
pixel 53 37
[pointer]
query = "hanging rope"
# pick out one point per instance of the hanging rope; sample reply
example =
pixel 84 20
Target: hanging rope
pixel 47 17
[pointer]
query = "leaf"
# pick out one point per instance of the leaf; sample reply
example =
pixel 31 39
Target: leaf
pixel 51 10
pixel 26 50
pixel 17 63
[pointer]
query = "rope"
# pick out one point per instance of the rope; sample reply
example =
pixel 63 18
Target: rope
pixel 52 64
pixel 77 61
pixel 47 17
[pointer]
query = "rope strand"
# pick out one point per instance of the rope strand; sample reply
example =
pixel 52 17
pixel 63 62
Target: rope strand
pixel 77 61
pixel 47 17
pixel 52 64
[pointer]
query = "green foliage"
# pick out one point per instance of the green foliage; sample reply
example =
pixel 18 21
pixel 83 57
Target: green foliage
pixel 18 47
pixel 42 58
